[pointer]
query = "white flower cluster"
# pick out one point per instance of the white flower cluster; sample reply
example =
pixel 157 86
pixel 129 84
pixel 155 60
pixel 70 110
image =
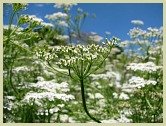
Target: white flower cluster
pixel 34 19
pixel 136 83
pixel 8 102
pixel 107 75
pixel 96 84
pixel 121 119
pixel 155 32
pixel 95 96
pixel 139 82
pixel 39 98
pixel 121 96
pixel 55 16
pixel 46 112
pixel 149 67
pixel 52 91
pixel 136 32
pixel 62 37
pixel 137 22
pixel 155 51
pixel 124 43
pixel 75 53
pixel 21 69
pixel 50 86
pixel 47 24
pixel 145 34
pixel 45 55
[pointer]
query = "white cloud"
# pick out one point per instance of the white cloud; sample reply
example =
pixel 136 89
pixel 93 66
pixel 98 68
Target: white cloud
pixel 39 5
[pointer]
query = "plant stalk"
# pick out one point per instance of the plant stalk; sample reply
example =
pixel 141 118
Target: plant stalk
pixel 84 101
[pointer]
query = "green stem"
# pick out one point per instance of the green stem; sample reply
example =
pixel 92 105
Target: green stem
pixel 49 116
pixel 84 101
pixel 49 64
pixel 10 21
pixel 97 66
pixel 11 82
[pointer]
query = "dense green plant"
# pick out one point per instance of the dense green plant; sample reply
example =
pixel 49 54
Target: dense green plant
pixel 49 77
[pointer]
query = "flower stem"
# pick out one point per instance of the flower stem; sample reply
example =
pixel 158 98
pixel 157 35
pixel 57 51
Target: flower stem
pixel 84 101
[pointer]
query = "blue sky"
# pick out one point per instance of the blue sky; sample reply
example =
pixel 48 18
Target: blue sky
pixel 115 18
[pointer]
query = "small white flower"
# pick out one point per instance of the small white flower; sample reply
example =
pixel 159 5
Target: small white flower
pixel 115 95
pixel 91 96
pixel 137 82
pixel 64 118
pixel 62 37
pixel 21 69
pixel 41 113
pixel 99 96
pixel 149 67
pixel 47 24
pixel 123 96
pixel 40 78
pixel 54 110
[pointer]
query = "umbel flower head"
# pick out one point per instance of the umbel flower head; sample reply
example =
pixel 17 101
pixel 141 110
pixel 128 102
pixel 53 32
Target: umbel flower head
pixel 80 61
pixel 73 56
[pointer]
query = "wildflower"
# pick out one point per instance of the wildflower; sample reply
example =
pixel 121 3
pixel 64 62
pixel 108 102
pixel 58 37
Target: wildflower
pixel 99 96
pixel 149 67
pixel 30 18
pixel 115 95
pixel 123 96
pixel 54 110
pixel 64 118
pixel 139 82
pixel 34 18
pixel 21 69
pixel 39 97
pixel 47 24
pixel 123 119
pixel 101 103
pixel 91 96
pixel 62 37
pixel 136 32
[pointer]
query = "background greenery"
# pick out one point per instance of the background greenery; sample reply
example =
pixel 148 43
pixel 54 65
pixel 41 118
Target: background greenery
pixel 119 91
